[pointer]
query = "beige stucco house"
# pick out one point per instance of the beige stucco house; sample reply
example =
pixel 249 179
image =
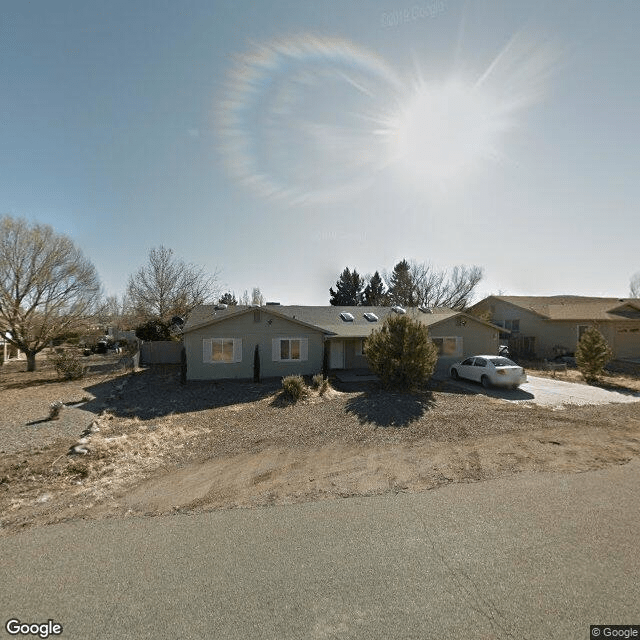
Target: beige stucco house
pixel 546 326
pixel 220 341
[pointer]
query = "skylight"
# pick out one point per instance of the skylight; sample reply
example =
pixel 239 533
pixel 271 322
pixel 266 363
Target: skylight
pixel 371 317
pixel 347 317
pixel 398 309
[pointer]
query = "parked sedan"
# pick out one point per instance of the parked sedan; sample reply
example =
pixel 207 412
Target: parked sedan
pixel 489 370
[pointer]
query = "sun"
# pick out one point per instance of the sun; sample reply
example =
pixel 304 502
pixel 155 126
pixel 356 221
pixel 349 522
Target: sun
pixel 443 132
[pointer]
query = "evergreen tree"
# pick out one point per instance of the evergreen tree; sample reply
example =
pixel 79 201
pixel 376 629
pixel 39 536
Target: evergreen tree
pixel 401 353
pixel 592 354
pixel 374 293
pixel 401 286
pixel 348 289
pixel 229 299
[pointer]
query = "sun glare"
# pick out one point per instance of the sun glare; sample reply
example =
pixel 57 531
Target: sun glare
pixel 443 132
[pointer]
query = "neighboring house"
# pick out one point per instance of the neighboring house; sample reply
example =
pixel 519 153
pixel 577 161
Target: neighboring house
pixel 552 325
pixel 220 341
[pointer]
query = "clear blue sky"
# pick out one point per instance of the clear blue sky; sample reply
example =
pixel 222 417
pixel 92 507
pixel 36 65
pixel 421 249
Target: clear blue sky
pixel 279 142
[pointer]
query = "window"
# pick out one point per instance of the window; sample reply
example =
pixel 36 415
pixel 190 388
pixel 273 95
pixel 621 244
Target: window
pixel 480 362
pixel 468 362
pixel 512 325
pixel 256 315
pixel 446 346
pixel 221 350
pixel 581 329
pixel 347 317
pixel 371 317
pixel 290 349
pixel 360 347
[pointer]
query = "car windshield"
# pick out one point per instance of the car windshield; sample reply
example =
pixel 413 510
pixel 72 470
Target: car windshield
pixel 503 362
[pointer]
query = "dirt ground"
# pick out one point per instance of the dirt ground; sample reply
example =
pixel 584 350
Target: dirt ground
pixel 156 446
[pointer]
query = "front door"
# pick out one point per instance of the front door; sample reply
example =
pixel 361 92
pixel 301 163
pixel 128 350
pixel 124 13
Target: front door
pixel 336 354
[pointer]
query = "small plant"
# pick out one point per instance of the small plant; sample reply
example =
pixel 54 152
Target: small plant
pixel 55 408
pixel 592 354
pixel 67 364
pixel 294 387
pixel 320 383
pixel 78 469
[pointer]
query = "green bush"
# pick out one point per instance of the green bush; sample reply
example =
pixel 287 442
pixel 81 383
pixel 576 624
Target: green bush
pixel 154 330
pixel 294 387
pixel 401 353
pixel 67 363
pixel 320 383
pixel 592 354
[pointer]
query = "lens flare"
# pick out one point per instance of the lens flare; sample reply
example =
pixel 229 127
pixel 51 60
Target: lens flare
pixel 314 119
pixel 297 120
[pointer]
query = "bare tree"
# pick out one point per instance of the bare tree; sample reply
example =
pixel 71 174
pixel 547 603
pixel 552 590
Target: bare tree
pixel 166 286
pixel 634 286
pixel 47 286
pixel 257 297
pixel 244 299
pixel 440 288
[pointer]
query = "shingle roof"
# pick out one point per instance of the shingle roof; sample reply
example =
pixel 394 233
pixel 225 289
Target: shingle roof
pixel 326 318
pixel 572 307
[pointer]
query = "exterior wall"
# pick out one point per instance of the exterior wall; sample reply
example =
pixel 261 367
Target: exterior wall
pixel 252 333
pixel 476 338
pixel 550 334
pixel 627 341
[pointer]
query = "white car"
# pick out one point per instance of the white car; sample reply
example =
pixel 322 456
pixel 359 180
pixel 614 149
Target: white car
pixel 489 370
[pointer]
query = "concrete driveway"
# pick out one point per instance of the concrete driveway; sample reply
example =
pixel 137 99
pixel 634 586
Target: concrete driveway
pixel 552 393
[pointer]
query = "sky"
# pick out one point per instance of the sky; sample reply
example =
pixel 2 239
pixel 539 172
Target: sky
pixel 276 143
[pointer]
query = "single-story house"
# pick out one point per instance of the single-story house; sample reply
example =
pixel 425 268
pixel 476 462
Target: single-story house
pixel 220 341
pixel 547 326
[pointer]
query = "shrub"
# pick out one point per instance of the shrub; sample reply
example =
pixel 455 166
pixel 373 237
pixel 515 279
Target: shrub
pixel 320 383
pixel 401 353
pixel 592 354
pixel 55 409
pixel 78 469
pixel 154 330
pixel 68 364
pixel 294 387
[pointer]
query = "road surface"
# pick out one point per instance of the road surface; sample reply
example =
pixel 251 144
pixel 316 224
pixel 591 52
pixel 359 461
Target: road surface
pixel 535 556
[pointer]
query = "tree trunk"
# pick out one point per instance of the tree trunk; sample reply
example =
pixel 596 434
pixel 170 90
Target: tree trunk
pixel 31 360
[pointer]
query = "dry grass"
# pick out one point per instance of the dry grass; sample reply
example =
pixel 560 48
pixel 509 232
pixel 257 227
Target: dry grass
pixel 161 445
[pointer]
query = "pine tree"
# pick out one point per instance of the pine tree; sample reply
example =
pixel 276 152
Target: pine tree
pixel 348 289
pixel 401 286
pixel 592 354
pixel 374 293
pixel 229 299
pixel 401 353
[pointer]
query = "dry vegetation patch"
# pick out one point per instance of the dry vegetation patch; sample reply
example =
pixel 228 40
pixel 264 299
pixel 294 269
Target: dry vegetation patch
pixel 162 446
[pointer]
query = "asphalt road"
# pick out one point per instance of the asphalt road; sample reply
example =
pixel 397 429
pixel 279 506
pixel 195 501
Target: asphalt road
pixel 530 556
pixel 552 393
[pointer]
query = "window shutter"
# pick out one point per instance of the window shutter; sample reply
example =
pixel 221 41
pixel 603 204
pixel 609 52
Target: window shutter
pixel 237 349
pixel 304 348
pixel 275 349
pixel 206 350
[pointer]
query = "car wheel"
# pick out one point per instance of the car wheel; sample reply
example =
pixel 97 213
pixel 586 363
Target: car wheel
pixel 486 383
pixel 454 374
